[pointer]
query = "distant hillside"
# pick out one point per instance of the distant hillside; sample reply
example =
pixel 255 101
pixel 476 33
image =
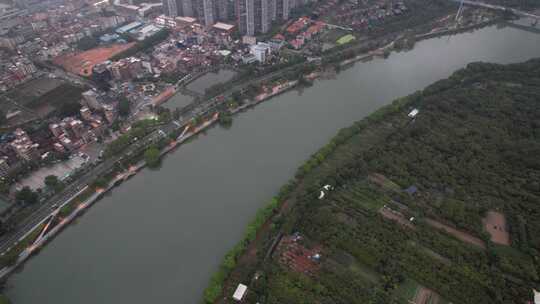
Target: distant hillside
pixel 443 207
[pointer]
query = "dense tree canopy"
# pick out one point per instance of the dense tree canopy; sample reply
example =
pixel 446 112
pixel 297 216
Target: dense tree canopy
pixel 26 195
pixel 473 147
pixel 152 157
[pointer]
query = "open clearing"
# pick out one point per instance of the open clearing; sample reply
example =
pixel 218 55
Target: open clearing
pixel 383 182
pixel 495 225
pixel 82 63
pixel 457 233
pixel 425 296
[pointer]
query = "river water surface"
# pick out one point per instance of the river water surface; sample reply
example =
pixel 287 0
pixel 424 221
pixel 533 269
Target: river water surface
pixel 159 236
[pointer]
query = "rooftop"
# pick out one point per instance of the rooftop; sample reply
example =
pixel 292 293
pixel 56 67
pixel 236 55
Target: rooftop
pixel 240 292
pixel 223 26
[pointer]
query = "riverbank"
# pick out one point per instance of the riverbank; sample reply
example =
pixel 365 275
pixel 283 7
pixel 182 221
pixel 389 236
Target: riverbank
pixel 188 133
pixel 385 50
pixel 246 254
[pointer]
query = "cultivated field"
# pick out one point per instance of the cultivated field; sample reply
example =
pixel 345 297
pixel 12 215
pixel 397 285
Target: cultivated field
pixel 82 63
pixel 495 225
pixel 27 93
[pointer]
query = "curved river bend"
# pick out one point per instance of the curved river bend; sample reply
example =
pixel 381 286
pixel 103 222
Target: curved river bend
pixel 158 237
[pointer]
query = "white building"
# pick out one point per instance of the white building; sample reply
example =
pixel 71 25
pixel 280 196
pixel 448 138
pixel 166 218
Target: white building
pixel 413 113
pixel 240 292
pixel 261 51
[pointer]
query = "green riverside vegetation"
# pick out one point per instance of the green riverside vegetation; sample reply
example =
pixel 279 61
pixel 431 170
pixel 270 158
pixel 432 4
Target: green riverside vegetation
pixel 473 148
pixel 152 156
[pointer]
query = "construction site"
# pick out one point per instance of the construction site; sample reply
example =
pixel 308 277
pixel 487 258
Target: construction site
pixel 83 62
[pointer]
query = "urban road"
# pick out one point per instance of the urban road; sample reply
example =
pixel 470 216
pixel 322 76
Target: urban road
pixel 44 211
pixel 69 193
pixel 72 190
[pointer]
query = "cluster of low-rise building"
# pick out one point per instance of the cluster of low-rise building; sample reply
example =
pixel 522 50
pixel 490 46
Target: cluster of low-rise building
pixel 64 135
pixel 40 32
pixel 15 70
pixel 362 15
pixel 301 31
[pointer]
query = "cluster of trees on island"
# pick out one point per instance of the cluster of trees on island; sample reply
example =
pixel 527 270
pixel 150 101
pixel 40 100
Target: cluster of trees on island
pixel 474 147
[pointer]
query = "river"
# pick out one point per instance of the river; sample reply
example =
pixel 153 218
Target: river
pixel 159 236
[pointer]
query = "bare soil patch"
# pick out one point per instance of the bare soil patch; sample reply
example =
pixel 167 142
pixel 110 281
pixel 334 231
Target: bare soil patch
pixel 495 225
pixel 395 216
pixel 425 296
pixel 82 63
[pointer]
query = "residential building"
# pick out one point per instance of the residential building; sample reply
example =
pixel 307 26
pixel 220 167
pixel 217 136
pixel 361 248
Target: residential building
pixel 86 114
pixel 185 8
pixel 56 129
pixel 206 11
pixel 170 8
pixel 90 99
pixel 147 9
pixel 24 147
pixel 110 113
pixel 223 10
pixel 261 51
pixel 77 128
pixel 254 16
pixel 4 168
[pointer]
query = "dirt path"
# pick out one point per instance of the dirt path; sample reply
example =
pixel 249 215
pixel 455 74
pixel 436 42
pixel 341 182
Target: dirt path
pixel 464 236
pixel 395 216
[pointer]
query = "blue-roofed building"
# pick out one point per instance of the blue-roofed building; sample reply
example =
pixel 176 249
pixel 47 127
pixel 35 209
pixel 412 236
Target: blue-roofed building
pixel 108 38
pixel 129 27
pixel 411 190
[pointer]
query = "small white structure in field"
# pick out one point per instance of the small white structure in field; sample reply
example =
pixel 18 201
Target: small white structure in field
pixel 240 292
pixel 413 113
pixel 536 297
pixel 328 188
pixel 411 219
pixel 321 195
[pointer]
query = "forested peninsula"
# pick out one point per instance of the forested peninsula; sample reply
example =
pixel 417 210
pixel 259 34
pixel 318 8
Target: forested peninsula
pixel 432 199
